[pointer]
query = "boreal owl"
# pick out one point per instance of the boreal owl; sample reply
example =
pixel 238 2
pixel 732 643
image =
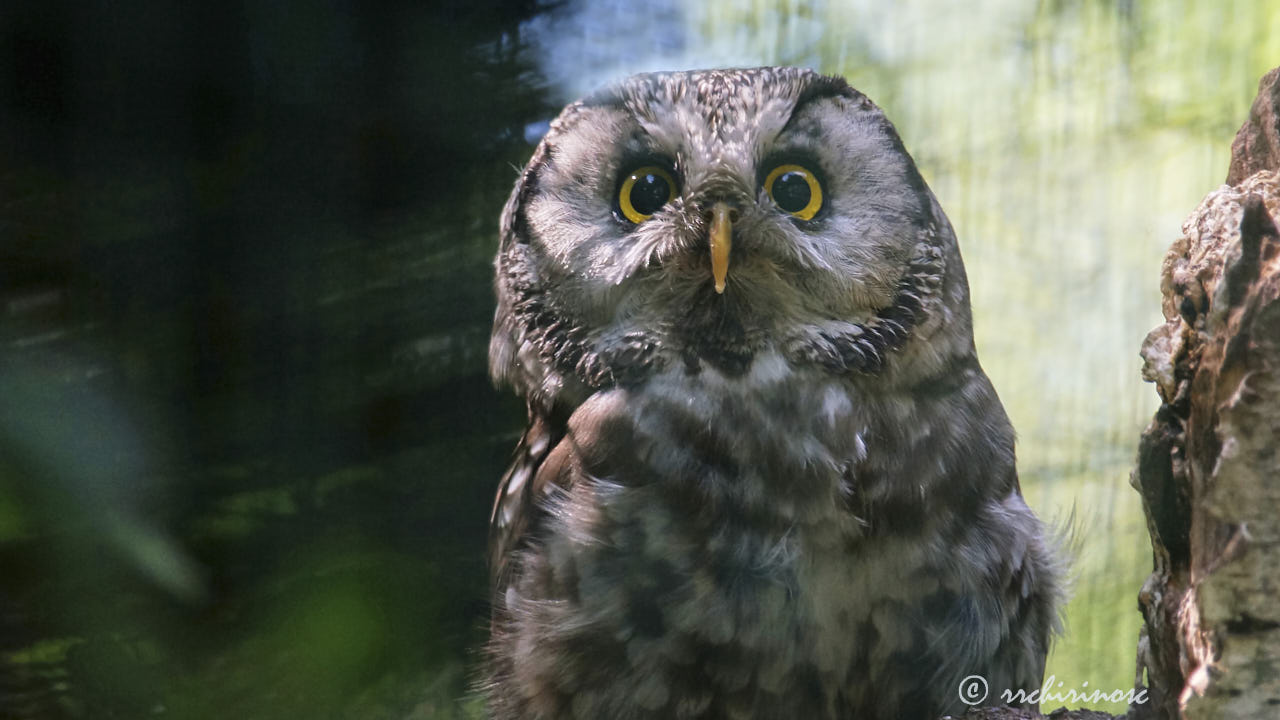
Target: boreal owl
pixel 764 475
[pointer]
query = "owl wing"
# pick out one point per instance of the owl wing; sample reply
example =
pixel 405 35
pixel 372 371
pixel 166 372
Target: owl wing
pixel 530 476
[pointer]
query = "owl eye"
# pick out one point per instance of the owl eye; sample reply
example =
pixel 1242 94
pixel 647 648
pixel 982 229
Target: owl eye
pixel 644 190
pixel 795 189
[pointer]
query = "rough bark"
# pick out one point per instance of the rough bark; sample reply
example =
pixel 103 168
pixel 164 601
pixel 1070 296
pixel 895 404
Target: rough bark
pixel 1208 462
pixel 1257 145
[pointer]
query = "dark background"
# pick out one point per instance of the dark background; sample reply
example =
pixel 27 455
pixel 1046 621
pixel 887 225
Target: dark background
pixel 247 439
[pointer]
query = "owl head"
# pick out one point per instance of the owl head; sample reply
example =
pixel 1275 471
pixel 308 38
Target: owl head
pixel 706 220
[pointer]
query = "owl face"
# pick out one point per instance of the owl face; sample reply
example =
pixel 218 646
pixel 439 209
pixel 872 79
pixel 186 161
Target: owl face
pixel 705 218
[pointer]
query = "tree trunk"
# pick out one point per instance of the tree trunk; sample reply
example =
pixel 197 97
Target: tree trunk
pixel 1209 461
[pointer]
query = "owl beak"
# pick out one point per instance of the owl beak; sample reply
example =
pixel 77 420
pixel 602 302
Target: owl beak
pixel 721 243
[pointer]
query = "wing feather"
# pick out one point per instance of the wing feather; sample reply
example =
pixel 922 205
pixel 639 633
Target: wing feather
pixel 515 510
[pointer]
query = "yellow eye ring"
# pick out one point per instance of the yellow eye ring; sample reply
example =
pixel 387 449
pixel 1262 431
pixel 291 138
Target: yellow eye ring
pixel 644 191
pixel 800 193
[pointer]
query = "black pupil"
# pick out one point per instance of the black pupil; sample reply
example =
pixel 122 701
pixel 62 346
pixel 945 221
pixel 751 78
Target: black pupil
pixel 791 192
pixel 649 192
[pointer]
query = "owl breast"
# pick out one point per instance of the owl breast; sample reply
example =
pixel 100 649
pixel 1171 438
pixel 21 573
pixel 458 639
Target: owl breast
pixel 709 559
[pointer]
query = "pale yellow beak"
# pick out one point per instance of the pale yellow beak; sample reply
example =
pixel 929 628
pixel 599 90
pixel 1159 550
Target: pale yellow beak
pixel 721 243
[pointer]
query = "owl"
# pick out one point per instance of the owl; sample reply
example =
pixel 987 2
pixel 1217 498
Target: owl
pixel 764 475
